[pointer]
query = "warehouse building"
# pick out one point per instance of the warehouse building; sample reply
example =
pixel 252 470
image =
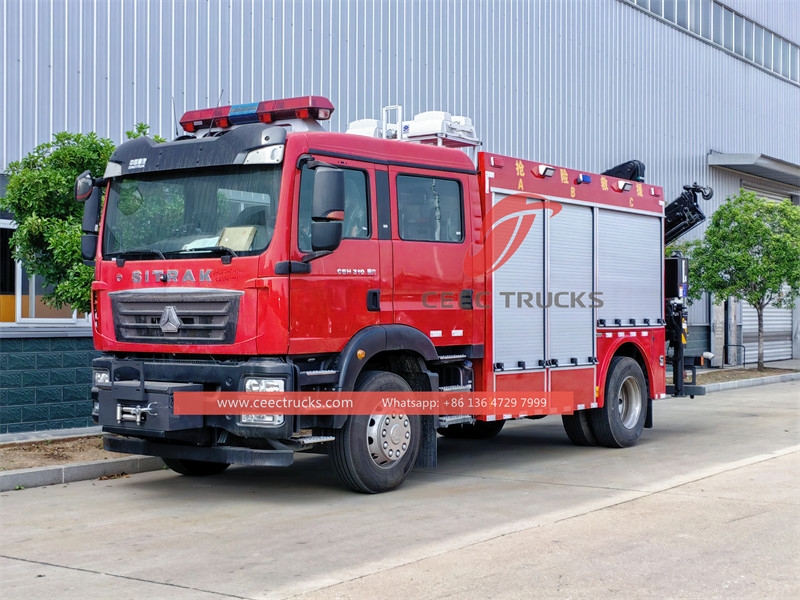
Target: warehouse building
pixel 698 90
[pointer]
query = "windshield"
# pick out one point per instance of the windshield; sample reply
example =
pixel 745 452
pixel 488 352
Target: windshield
pixel 183 215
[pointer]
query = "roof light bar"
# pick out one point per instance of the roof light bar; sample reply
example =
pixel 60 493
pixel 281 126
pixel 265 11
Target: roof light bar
pixel 269 111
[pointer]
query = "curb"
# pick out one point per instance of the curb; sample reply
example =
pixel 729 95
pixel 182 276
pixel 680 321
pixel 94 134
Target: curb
pixel 39 476
pixel 755 381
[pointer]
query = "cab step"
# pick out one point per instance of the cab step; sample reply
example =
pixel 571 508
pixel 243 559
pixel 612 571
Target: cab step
pixel 456 388
pixel 447 420
pixel 315 439
pixel 320 377
pixel 450 358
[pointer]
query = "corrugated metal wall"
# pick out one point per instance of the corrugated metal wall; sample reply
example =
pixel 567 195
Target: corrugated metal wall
pixel 584 83
pixel 581 83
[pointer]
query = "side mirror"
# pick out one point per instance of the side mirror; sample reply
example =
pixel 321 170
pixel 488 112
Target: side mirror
pixel 91 212
pixel 87 192
pixel 327 209
pixel 88 248
pixel 84 184
pixel 326 235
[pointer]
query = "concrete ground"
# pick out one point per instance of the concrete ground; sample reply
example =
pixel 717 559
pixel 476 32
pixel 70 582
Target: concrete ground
pixel 707 505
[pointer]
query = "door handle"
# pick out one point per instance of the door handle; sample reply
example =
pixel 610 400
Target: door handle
pixel 373 300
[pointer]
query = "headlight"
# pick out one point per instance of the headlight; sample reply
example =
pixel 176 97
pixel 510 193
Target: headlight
pixel 262 384
pixel 261 420
pixel 101 376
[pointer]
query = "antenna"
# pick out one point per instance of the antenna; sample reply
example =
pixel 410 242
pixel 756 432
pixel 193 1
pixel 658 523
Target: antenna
pixel 175 114
pixel 211 125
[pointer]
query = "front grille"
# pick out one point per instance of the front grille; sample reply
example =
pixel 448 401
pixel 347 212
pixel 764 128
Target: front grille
pixel 170 317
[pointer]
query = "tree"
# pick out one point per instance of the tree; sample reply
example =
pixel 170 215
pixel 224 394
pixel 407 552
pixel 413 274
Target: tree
pixel 750 251
pixel 39 194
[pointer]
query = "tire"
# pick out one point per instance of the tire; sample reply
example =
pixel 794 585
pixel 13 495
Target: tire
pixel 620 422
pixel 479 430
pixel 579 428
pixel 195 468
pixel 375 453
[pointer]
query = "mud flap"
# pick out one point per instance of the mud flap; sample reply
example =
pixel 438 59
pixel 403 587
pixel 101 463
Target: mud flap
pixel 427 457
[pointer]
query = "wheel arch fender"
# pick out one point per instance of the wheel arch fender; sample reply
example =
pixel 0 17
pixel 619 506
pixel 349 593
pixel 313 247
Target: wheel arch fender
pixel 379 339
pixel 376 339
pixel 633 350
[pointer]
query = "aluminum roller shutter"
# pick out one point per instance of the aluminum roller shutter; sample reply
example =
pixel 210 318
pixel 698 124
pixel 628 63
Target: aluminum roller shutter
pixel 518 328
pixel 570 242
pixel 630 266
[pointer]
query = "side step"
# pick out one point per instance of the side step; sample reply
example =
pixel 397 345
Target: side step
pixel 322 377
pixel 447 420
pixel 456 388
pixel 314 439
pixel 450 358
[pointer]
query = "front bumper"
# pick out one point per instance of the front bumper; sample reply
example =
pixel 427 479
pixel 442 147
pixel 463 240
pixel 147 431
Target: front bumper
pixel 219 454
pixel 138 400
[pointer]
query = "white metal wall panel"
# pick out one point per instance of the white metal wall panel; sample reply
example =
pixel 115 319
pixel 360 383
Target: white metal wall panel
pixel 517 294
pixel 700 310
pixel 629 268
pixel 582 84
pixel 535 76
pixel 770 191
pixel 570 241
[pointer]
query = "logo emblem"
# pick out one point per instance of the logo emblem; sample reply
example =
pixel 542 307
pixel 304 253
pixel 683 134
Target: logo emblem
pixel 170 321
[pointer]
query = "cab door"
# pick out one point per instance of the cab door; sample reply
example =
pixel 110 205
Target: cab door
pixel 334 296
pixel 430 239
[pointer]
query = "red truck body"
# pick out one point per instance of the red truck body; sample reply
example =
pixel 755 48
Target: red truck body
pixel 495 275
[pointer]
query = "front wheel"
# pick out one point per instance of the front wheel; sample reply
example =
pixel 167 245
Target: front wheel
pixel 195 468
pixel 620 422
pixel 375 453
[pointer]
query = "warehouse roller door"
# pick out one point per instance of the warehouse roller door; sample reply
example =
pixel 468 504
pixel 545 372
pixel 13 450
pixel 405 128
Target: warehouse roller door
pixel 777 333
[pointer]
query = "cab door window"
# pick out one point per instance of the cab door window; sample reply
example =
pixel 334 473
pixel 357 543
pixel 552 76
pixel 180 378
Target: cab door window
pixel 356 207
pixel 429 209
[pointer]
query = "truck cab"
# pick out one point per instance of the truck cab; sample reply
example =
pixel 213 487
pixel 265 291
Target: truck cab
pixel 260 253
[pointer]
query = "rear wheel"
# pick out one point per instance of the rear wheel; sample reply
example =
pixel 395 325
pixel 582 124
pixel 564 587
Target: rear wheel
pixel 375 453
pixel 620 422
pixel 579 429
pixel 195 468
pixel 479 430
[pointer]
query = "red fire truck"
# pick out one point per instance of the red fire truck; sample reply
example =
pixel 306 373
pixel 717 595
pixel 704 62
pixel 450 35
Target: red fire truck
pixel 261 253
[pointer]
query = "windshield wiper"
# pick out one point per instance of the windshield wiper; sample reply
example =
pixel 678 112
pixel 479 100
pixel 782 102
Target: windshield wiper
pixel 222 251
pixel 131 254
